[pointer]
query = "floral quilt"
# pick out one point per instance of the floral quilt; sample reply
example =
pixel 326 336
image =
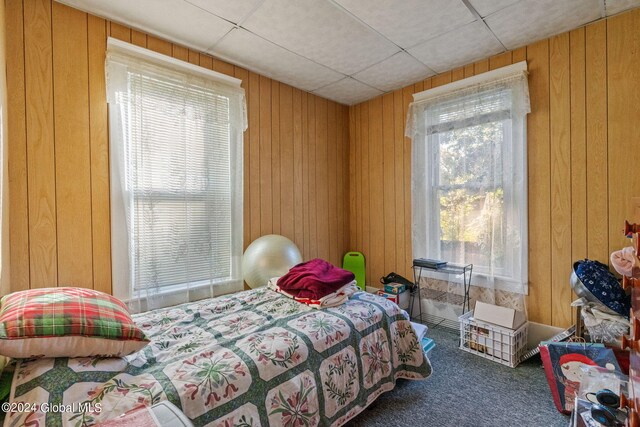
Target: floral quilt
pixel 254 358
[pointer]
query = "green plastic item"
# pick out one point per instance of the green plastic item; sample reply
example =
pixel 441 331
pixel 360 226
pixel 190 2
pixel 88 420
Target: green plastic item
pixel 354 262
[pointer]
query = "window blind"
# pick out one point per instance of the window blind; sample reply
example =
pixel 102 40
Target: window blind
pixel 489 105
pixel 177 145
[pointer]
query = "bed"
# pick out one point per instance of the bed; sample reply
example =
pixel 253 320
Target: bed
pixel 254 358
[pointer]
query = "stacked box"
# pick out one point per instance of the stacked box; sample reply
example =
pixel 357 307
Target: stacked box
pixel 395 288
pixel 391 297
pixel 402 299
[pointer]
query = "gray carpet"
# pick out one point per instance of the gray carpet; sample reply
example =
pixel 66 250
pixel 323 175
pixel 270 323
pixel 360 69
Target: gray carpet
pixel 466 390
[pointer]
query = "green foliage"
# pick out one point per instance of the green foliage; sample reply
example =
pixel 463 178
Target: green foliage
pixel 470 185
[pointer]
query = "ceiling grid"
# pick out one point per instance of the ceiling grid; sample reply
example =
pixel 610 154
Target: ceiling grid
pixel 353 50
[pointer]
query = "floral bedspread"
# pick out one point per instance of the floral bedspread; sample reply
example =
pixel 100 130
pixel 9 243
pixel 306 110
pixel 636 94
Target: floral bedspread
pixel 254 358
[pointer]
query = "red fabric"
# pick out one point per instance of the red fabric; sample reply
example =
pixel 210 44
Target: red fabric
pixel 551 378
pixel 575 357
pixel 622 356
pixel 314 279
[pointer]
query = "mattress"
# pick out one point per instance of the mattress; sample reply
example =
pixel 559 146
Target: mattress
pixel 254 358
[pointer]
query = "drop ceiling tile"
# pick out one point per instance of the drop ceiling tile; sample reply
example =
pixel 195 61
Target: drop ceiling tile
pixel 397 71
pixel 530 20
pixel 410 22
pixel 320 31
pixel 234 11
pixel 617 6
pixel 177 21
pixel 458 47
pixel 253 52
pixel 348 91
pixel 487 7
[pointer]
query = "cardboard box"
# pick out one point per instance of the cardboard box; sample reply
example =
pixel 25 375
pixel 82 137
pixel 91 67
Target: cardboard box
pixel 501 316
pixel 391 297
pixel 394 288
pixel 401 299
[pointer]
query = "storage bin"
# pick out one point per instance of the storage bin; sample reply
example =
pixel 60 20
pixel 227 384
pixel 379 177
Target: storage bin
pixel 502 345
pixel 401 299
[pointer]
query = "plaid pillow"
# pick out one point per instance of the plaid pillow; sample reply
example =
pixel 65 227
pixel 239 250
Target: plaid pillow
pixel 66 322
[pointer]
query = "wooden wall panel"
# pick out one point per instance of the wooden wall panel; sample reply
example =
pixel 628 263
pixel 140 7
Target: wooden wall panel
pixel 322 175
pixel 297 189
pixel 332 181
pixel 399 174
pixel 266 191
pixel 138 38
pixel 312 174
pixel 354 179
pixel 344 190
pixel 59 150
pixel 560 153
pixel 38 64
pixel 578 145
pixel 286 165
pixel 376 194
pixel 578 153
pixel 623 117
pixel 5 248
pixel 388 210
pixel 538 156
pixel 597 166
pixel 253 145
pixel 357 219
pixel 306 222
pixel 365 188
pixel 275 156
pixel 481 66
pixel 72 147
pixel 153 43
pixel 17 141
pixel 121 32
pixel 582 148
pixel 500 60
pixel 99 134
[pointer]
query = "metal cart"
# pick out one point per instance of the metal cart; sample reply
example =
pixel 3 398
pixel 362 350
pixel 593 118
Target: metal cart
pixel 441 296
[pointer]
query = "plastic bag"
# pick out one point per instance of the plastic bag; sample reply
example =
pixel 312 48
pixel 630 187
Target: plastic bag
pixel 596 378
pixel 603 327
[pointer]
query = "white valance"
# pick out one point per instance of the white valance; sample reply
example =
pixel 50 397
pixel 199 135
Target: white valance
pixel 124 57
pixel 507 87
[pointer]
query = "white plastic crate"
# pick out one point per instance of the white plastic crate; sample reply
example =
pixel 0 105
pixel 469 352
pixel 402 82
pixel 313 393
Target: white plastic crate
pixel 502 345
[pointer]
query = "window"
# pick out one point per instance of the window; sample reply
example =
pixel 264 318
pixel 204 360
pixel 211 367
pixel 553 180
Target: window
pixel 469 176
pixel 176 151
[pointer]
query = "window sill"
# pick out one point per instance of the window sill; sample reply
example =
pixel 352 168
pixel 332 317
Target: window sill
pixel 145 300
pixel 484 280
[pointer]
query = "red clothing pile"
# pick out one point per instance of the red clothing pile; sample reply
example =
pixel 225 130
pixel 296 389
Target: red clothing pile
pixel 316 283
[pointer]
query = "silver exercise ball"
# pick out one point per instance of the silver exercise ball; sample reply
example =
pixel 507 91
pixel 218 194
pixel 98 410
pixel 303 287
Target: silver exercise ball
pixel 268 256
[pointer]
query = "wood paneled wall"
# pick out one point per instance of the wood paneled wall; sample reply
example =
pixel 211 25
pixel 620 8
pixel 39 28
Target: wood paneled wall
pixel 583 148
pixel 295 150
pixel 5 266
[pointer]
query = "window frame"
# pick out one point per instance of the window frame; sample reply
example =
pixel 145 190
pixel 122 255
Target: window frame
pixel 122 264
pixel 435 244
pixel 419 129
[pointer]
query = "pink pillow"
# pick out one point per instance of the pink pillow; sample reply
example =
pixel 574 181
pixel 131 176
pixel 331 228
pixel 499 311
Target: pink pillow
pixel 626 262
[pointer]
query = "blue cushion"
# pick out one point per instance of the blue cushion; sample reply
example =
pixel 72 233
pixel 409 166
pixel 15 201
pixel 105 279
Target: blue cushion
pixel 597 278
